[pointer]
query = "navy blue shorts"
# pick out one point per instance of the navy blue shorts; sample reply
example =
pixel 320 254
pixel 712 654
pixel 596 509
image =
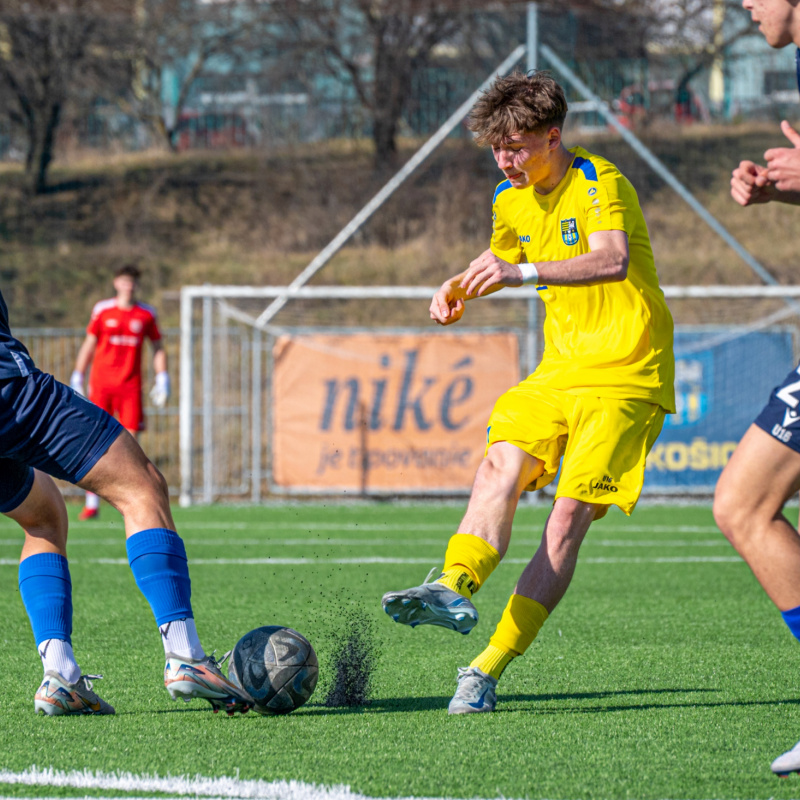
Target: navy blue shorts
pixel 780 417
pixel 44 424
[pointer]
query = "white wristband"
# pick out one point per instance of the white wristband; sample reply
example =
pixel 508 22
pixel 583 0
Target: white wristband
pixel 529 273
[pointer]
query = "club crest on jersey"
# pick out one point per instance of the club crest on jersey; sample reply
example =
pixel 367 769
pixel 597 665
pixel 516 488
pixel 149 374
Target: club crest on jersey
pixel 569 231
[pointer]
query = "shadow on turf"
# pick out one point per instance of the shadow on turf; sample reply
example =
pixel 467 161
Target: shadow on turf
pixel 409 704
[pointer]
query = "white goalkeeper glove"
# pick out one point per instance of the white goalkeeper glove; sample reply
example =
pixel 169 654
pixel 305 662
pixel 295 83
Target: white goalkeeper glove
pixel 159 394
pixel 76 383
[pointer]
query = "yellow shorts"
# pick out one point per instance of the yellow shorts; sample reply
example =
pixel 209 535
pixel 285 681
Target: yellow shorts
pixel 604 442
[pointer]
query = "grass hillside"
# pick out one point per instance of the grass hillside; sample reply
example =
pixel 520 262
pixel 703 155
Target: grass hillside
pixel 248 217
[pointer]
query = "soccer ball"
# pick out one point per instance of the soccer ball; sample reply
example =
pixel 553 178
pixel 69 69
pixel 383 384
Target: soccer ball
pixel 276 666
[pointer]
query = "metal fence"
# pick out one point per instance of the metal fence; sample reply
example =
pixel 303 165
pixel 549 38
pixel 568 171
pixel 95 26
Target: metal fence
pixel 54 350
pixel 213 441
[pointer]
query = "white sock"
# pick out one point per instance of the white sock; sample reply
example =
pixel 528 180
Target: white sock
pixel 57 656
pixel 180 638
pixel 92 500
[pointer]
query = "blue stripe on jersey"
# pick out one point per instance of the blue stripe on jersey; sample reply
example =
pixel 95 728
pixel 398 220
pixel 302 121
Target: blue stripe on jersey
pixel 541 288
pixel 586 167
pixel 500 189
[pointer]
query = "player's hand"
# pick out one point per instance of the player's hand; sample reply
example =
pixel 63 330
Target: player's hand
pixel 783 163
pixel 488 270
pixel 446 307
pixel 76 383
pixel 750 184
pixel 159 394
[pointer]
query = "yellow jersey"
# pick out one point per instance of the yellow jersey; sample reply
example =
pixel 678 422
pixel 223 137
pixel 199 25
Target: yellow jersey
pixel 608 340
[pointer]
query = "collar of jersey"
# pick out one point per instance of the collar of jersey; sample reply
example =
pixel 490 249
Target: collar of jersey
pixel 549 199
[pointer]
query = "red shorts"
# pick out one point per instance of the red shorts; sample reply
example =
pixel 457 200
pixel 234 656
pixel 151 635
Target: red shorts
pixel 124 403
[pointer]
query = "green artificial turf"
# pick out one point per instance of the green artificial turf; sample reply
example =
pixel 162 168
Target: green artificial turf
pixel 658 676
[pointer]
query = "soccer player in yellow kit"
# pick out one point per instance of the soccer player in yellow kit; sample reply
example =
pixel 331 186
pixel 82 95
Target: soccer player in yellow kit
pixel 570 223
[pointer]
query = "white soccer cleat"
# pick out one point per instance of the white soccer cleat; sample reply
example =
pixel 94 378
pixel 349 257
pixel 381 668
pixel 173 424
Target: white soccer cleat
pixel 475 693
pixel 789 762
pixel 203 678
pixel 55 697
pixel 431 604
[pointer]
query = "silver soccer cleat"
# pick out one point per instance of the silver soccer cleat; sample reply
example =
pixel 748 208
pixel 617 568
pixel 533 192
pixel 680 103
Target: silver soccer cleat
pixel 787 763
pixel 475 693
pixel 431 604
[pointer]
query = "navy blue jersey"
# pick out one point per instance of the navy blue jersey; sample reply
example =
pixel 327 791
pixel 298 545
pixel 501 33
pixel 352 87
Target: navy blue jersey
pixel 15 361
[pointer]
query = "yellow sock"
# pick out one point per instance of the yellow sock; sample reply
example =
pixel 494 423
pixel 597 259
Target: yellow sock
pixel 521 621
pixel 493 660
pixel 468 562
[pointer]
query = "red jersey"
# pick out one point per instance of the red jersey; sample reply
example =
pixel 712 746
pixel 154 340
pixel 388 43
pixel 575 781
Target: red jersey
pixel 120 336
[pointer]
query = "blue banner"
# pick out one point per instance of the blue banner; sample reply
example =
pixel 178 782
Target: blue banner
pixel 723 379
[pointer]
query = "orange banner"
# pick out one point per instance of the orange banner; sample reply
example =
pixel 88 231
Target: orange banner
pixel 361 412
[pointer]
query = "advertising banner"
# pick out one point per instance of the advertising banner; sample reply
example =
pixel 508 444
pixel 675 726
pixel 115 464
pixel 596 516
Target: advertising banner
pixel 723 378
pixel 385 412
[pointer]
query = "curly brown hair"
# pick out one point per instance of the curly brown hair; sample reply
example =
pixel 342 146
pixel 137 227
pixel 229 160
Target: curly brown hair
pixel 518 103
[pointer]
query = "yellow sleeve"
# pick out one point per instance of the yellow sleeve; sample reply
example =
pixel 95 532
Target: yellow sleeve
pixel 609 207
pixel 505 242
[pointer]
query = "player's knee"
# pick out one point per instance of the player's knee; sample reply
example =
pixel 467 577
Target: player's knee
pixel 47 518
pixel 496 476
pixel 735 518
pixel 157 483
pixel 569 520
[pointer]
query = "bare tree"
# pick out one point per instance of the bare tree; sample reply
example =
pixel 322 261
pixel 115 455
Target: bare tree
pixel 179 41
pixel 50 51
pixel 378 46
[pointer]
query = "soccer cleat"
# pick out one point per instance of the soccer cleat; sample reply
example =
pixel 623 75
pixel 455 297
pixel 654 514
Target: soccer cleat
pixel 431 604
pixel 787 763
pixel 186 679
pixel 475 693
pixel 56 697
pixel 88 513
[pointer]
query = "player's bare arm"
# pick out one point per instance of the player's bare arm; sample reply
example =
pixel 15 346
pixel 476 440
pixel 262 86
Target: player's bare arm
pixel 159 357
pixel 778 181
pixel 750 184
pixel 447 305
pixel 86 353
pixel 606 262
pixel 85 356
pixel 783 167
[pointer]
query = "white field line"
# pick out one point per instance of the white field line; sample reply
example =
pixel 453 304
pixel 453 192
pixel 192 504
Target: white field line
pixel 443 528
pixel 366 560
pixel 399 543
pixel 182 785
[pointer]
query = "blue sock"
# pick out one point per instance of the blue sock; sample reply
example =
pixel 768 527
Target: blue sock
pixel 792 620
pixel 46 590
pixel 158 560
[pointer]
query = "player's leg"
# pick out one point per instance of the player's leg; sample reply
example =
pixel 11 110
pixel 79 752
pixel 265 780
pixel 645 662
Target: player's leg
pixel 603 464
pixel 126 405
pixel 762 474
pixel 105 399
pixel 474 552
pixel 72 439
pixel 32 499
pixel 760 477
pixel 525 441
pixel 539 589
pixel 131 483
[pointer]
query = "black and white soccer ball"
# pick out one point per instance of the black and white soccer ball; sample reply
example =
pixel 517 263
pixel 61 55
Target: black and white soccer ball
pixel 277 666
